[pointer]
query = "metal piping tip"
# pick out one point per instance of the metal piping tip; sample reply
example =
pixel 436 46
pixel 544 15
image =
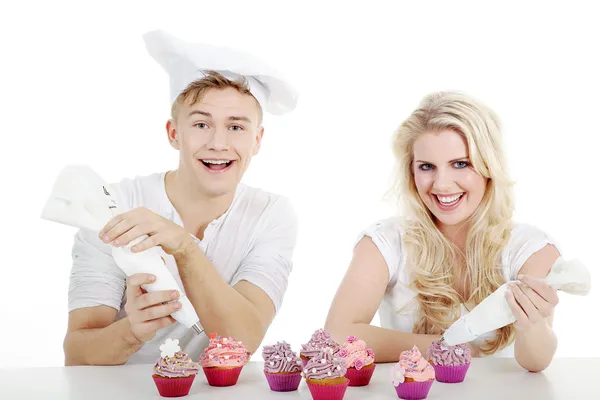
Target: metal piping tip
pixel 197 329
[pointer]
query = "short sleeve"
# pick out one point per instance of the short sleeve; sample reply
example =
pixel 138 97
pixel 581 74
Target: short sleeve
pixel 525 240
pixel 269 261
pixel 387 237
pixel 95 278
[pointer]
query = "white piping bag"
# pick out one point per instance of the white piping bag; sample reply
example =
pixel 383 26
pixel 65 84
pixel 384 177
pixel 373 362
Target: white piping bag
pixel 82 199
pixel 494 312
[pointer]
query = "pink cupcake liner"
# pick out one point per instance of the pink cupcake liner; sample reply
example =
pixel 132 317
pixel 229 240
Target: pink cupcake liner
pixel 222 377
pixel 304 362
pixel 360 377
pixel 173 387
pixel 414 390
pixel 327 392
pixel 451 374
pixel 283 382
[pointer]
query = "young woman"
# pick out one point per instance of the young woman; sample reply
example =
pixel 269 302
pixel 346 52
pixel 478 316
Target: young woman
pixel 455 244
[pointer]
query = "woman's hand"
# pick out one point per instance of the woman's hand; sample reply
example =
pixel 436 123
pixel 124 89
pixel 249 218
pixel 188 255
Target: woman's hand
pixel 531 300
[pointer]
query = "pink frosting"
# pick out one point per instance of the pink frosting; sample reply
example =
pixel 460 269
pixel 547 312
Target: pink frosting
pixel 224 352
pixel 355 353
pixel 415 366
pixel 441 354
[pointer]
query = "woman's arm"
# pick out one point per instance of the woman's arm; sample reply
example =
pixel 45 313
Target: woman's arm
pixel 533 302
pixel 357 301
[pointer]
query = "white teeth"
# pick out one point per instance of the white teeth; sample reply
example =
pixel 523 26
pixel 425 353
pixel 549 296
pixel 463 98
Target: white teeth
pixel 449 199
pixel 216 161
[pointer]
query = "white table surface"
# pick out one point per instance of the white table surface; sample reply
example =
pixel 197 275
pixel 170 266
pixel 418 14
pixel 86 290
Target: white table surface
pixel 487 379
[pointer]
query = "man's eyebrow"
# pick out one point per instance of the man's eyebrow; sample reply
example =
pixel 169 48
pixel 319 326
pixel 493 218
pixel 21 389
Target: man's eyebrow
pixel 206 114
pixel 245 119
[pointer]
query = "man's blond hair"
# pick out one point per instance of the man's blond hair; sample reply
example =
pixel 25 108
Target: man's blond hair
pixel 196 90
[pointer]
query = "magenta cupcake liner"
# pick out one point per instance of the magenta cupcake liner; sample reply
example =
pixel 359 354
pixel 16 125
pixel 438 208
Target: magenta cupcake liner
pixel 360 377
pixel 283 382
pixel 173 387
pixel 222 377
pixel 304 362
pixel 451 374
pixel 414 390
pixel 327 392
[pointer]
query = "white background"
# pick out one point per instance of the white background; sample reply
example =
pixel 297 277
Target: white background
pixel 77 86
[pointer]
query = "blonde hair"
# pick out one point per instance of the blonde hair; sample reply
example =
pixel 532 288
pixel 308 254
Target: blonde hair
pixel 196 90
pixel 432 256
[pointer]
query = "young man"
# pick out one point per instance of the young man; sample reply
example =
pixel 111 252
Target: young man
pixel 228 245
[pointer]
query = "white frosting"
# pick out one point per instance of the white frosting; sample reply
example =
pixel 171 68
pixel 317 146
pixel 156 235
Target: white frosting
pixel 169 348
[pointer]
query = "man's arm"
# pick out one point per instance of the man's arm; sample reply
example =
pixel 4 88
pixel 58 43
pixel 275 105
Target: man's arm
pixel 93 338
pixel 96 290
pixel 243 311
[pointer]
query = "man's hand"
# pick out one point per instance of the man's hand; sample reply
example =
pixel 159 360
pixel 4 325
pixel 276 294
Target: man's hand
pixel 146 311
pixel 127 227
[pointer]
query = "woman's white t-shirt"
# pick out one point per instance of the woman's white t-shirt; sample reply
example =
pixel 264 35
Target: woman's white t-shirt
pixel 399 308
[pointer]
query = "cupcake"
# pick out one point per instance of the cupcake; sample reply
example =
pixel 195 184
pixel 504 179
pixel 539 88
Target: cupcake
pixel 360 361
pixel 283 368
pixel 412 375
pixel 319 340
pixel 223 360
pixel 451 363
pixel 174 372
pixel 325 376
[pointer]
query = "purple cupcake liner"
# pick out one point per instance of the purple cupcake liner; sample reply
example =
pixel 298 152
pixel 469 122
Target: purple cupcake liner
pixel 414 390
pixel 451 373
pixel 283 382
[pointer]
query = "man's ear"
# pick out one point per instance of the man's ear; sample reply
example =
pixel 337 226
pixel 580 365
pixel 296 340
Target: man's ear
pixel 259 137
pixel 172 134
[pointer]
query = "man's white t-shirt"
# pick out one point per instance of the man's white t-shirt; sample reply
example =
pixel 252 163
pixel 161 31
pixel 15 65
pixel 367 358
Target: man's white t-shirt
pixel 253 241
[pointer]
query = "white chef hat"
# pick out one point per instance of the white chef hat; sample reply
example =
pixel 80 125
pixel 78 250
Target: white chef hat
pixel 187 62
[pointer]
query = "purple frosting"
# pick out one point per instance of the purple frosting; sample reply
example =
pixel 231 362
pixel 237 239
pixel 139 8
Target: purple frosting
pixel 442 354
pixel 280 358
pixel 325 365
pixel 178 366
pixel 320 339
